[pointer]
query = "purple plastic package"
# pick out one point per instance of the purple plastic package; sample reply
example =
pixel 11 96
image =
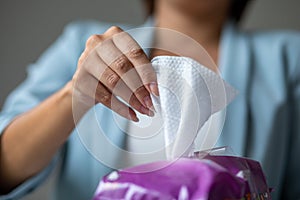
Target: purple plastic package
pixel 208 178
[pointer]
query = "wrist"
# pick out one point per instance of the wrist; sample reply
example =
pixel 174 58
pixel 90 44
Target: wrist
pixel 67 91
pixel 63 98
pixel 78 105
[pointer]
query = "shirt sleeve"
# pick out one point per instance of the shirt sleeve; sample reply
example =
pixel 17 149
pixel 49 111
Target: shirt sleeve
pixel 291 185
pixel 50 73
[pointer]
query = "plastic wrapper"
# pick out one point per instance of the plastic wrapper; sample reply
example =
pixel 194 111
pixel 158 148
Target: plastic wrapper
pixel 201 177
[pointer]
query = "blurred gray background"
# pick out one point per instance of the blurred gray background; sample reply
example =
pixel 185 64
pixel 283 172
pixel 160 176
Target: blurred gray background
pixel 28 27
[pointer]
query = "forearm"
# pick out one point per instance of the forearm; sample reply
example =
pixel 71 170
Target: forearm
pixel 29 143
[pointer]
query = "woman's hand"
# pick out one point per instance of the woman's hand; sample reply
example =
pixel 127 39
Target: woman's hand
pixel 114 65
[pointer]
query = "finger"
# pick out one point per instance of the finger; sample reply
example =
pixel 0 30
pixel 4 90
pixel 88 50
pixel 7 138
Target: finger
pixel 91 43
pixel 109 33
pixel 119 63
pixel 95 66
pixel 94 92
pixel 105 97
pixel 129 47
pixel 136 55
pixel 118 87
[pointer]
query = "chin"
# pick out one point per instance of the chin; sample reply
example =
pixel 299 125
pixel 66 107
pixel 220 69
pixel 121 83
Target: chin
pixel 202 7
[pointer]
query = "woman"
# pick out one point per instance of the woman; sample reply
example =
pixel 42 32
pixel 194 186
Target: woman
pixel 262 123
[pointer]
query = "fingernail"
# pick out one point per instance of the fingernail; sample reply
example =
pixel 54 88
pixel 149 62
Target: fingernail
pixel 148 102
pixel 154 89
pixel 133 116
pixel 146 111
pixel 151 113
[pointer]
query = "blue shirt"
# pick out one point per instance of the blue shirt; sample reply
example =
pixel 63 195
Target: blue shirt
pixel 262 123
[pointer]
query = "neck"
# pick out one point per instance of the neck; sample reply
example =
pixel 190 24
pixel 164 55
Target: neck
pixel 206 30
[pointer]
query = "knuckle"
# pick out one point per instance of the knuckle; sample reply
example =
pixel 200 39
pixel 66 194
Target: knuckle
pixel 115 29
pixel 112 31
pixel 92 40
pixel 112 80
pixel 135 53
pixel 121 64
pixel 104 98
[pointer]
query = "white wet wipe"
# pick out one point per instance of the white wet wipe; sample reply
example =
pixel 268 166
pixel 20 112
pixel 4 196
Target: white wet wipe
pixel 189 94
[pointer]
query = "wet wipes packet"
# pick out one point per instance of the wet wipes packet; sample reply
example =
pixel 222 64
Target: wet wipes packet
pixel 209 177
